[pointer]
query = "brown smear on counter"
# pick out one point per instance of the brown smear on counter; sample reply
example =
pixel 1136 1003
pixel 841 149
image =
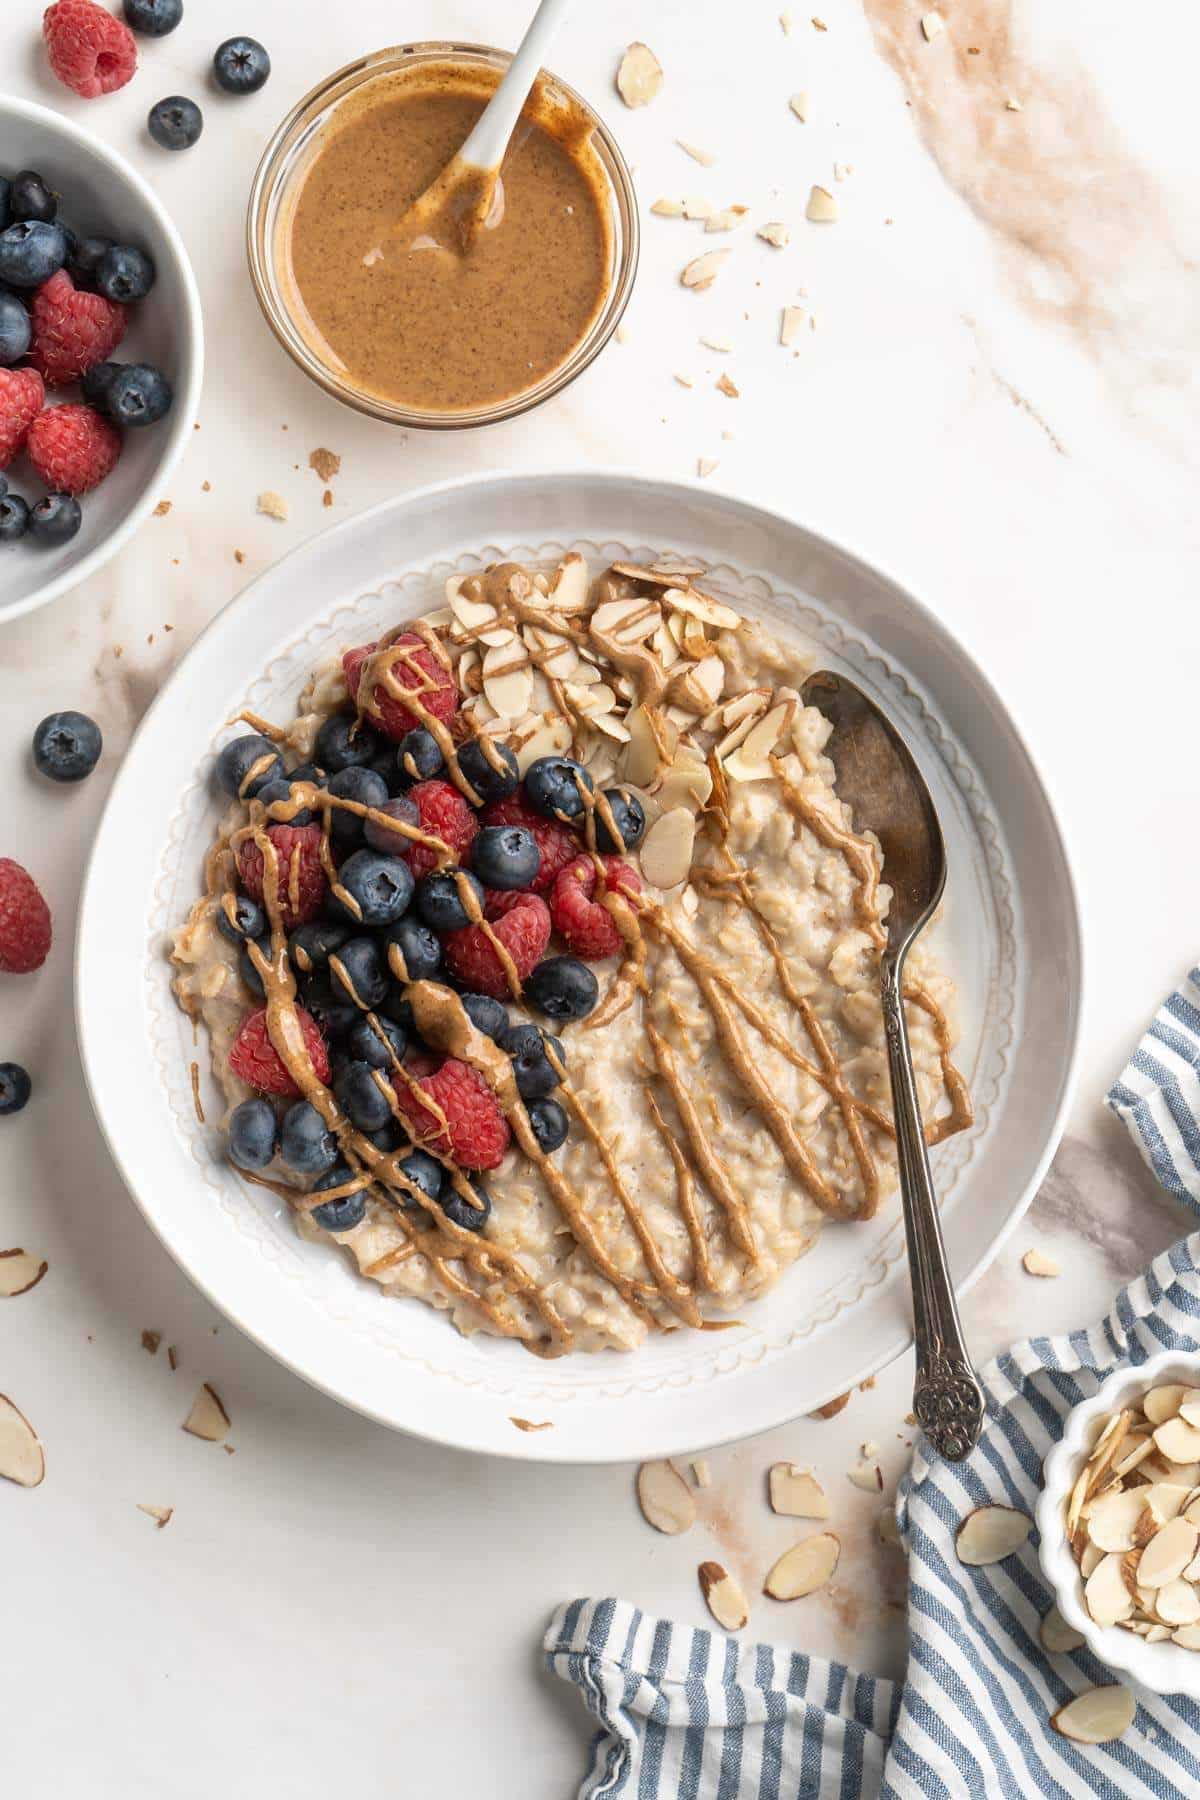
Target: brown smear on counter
pixel 414 319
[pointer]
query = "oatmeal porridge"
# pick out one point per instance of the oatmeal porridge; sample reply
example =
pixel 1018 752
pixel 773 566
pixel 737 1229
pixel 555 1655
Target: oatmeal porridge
pixel 539 961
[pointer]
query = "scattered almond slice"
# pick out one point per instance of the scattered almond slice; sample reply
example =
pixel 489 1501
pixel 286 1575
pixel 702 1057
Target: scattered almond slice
pixel 889 1528
pixel 695 206
pixel 1097 1716
pixel 791 323
pixel 795 1493
pixel 640 76
pixel 1164 1500
pixel 665 1498
pixel 1178 1441
pixel 1177 1603
pixel 728 219
pixel 701 1472
pixel 866 1475
pixel 1057 1637
pixel 705 466
pixel 799 105
pixel 804 1568
pixel 1134 1450
pixel 720 345
pixel 1189 1411
pixel 991 1533
pixel 666 853
pixel 1162 1403
pixel 702 271
pixel 1112 1519
pixel 723 1596
pixel 1105 1593
pixel 208 1418
pixel 831 1408
pixel 684 380
pixel 668 209
pixel 1188 1637
pixel 932 25
pixel 1168 1553
pixel 22 1458
pixel 775 232
pixel 1035 1262
pixel 273 505
pixel 705 158
pixel 822 208
pixel 19 1271
pixel 727 387
pixel 162 1515
pixel 1089 1556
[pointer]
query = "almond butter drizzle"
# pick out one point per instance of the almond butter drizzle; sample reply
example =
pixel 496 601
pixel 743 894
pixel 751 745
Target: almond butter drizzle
pixel 196 1100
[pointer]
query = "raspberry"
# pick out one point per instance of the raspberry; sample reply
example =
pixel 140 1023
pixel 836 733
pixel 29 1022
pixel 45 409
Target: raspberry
pixel 298 847
pixel 91 52
pixel 72 448
pixel 463 1121
pixel 524 930
pixel 22 396
pixel 25 930
pixel 444 814
pixel 72 331
pixel 557 845
pixel 255 1060
pixel 412 670
pixel 586 925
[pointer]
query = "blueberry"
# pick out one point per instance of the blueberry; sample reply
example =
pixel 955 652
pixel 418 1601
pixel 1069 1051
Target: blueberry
pixel 248 970
pixel 138 394
pixel 380 886
pixel 552 787
pixel 535 1074
pixel 458 1208
pixel 29 197
pixel 307 772
pixel 15 1088
pixel 14 518
pixel 246 764
pixel 125 274
pixel 549 1124
pixel 153 18
pixel 392 843
pixel 439 898
pixel 342 743
pixel 97 382
pixel 486 1015
pixel 629 816
pixel 66 746
pixel 380 1043
pixel 83 259
pixel 425 1172
pixel 358 971
pixel 175 123
pixel 241 65
pixel 55 520
pixel 395 1007
pixel 16 332
pixel 31 252
pixel 359 1096
pixel 306 1143
pixel 5 207
pixel 239 917
pixel 492 770
pixel 310 945
pixel 506 856
pixel 368 789
pixel 334 1013
pixel 563 987
pixel 413 951
pixel 345 1212
pixel 388 1138
pixel 252 1134
pixel 418 758
pixel 279 789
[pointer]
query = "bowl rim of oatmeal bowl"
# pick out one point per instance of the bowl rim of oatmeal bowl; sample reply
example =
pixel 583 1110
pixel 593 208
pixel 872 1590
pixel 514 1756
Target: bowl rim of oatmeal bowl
pixel 419 1374
pixel 273 182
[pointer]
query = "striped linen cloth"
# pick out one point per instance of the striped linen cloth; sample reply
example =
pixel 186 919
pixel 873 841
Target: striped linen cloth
pixel 695 1715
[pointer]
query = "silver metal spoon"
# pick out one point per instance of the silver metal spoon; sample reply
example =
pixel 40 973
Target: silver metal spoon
pixel 886 792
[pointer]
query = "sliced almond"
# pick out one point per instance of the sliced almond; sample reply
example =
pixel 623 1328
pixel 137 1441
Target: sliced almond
pixel 1188 1637
pixel 1034 1262
pixel 705 158
pixel 553 654
pixel 19 1271
pixel 774 232
pixel 688 782
pixel 1189 1410
pixel 668 209
pixel 889 1528
pixel 706 465
pixel 1178 1441
pixel 804 1568
pixel 866 1475
pixel 799 105
pixel 1111 1520
pixel 697 686
pixel 554 738
pixel 1177 1603
pixel 1105 1593
pixel 1057 1637
pixel 796 1493
pixel 208 1418
pixel 162 1515
pixel 791 324
pixel 644 757
pixel 665 1498
pixel 1157 1468
pixel 508 679
pixel 590 699
pixel 723 1596
pixel 22 1458
pixel 932 25
pixel 569 589
pixel 701 1472
pixel 1089 1557
pixel 610 726
pixel 666 854
pixel 1097 1716
pixel 728 219
pixel 1134 1450
pixel 640 76
pixel 991 1533
pixel 1168 1553
pixel 702 271
pixel 700 606
pixel 472 615
pixel 695 206
pixel 822 208
pixel 1162 1403
pixel 630 620
pixel 749 762
pixel 1164 1500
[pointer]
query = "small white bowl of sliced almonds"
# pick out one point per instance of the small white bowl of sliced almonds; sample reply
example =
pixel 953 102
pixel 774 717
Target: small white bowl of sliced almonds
pixel 1119 1517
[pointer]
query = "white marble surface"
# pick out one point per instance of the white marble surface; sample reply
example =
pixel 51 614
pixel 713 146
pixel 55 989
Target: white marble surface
pixel 998 406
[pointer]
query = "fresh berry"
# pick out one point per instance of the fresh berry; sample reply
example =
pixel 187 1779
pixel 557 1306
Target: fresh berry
pixel 306 1144
pixel 175 123
pixel 96 383
pixel 125 274
pixel 552 787
pixel 342 743
pixel 556 845
pixel 83 259
pixel 490 767
pixel 135 394
pixel 563 988
pixel 14 517
pixel 153 18
pixel 361 1098
pixel 16 331
pixel 629 817
pixel 30 198
pixel 445 815
pixel 72 448
pixel 486 1015
pixel 413 951
pixel 31 252
pixel 25 929
pixel 461 1212
pixel 22 395
pixel 240 919
pixel 411 664
pixel 380 887
pixel 241 65
pixel 5 208
pixel 246 764
pixel 67 746
pixel 585 923
pixel 463 1119
pixel 380 1043
pixel 253 1129
pixel 255 1060
pixel 347 1210
pixel 549 1124
pixel 359 971
pixel 506 857
pixel 302 884
pixel 55 520
pixel 417 757
pixel 441 898
pixel 72 331
pixel 524 931
pixel 364 787
pixel 91 52
pixel 388 1138
pixel 426 1174
pixel 535 1074
pixel 334 1013
pixel 392 843
pixel 278 792
pixel 15 1088
pixel 310 946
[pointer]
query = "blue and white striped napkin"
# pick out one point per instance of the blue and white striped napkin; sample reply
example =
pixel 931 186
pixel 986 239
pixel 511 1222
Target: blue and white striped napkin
pixel 694 1715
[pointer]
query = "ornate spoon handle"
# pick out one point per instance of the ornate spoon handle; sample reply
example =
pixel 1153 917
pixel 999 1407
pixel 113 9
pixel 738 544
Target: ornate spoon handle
pixel 947 1398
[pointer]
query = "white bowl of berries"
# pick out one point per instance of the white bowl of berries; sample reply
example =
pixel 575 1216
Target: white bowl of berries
pixel 101 353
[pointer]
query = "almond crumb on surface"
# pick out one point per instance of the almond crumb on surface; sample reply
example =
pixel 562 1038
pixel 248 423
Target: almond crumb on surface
pixel 206 487
pixel 208 1418
pixel 327 497
pixel 162 1515
pixel 705 466
pixel 932 24
pixel 531 1424
pixel 822 208
pixel 324 462
pixel 831 1408
pixel 1035 1262
pixel 704 157
pixel 173 1357
pixel 640 75
pixel 239 556
pixel 819 25
pixel 727 387
pixel 684 380
pixel 786 23
pixel 162 509
pixel 701 1472
pixel 273 505
pixel 790 324
pixel 150 1341
pixel 1011 105
pixel 799 105
pixel 775 233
